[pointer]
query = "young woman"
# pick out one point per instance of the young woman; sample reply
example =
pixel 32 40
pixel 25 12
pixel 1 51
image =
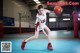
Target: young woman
pixel 40 24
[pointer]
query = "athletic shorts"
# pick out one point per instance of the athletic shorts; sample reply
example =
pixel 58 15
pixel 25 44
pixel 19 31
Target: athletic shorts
pixel 38 28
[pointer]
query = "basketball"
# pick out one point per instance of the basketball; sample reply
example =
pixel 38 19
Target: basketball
pixel 58 9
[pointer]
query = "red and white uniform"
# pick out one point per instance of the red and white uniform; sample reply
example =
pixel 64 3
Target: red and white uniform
pixel 42 18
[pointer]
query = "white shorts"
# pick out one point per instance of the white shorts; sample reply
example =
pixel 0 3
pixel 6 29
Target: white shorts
pixel 38 28
pixel 43 22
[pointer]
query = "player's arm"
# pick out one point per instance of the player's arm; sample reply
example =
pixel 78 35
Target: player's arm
pixel 38 19
pixel 48 11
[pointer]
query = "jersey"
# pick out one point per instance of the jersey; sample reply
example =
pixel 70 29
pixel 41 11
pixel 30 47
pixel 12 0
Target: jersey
pixel 41 17
pixel 43 14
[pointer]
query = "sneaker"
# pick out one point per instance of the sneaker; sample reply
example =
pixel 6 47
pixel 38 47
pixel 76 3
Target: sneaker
pixel 23 45
pixel 49 46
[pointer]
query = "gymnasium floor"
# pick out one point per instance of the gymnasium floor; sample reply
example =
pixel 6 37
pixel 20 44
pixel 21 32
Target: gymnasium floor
pixel 62 41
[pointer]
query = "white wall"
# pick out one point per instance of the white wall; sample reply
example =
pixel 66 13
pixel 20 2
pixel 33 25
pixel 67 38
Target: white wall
pixel 12 8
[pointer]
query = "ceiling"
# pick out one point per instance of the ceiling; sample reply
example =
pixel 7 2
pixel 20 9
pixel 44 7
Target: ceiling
pixel 31 2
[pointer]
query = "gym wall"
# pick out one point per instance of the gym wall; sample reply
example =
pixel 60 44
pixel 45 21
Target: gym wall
pixel 35 6
pixel 12 8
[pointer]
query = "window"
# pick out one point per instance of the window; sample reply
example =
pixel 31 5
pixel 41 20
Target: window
pixel 79 14
pixel 78 19
pixel 52 19
pixel 66 19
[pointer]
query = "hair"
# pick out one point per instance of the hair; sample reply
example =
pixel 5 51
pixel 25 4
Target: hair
pixel 40 6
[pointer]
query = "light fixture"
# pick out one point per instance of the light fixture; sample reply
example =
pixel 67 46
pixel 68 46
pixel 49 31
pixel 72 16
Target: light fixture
pixel 78 19
pixel 66 19
pixel 79 14
pixel 35 0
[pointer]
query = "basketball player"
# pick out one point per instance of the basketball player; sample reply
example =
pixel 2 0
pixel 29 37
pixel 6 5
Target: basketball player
pixel 40 24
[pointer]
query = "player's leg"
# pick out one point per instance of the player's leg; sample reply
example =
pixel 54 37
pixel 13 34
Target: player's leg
pixel 31 38
pixel 47 33
pixel 45 30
